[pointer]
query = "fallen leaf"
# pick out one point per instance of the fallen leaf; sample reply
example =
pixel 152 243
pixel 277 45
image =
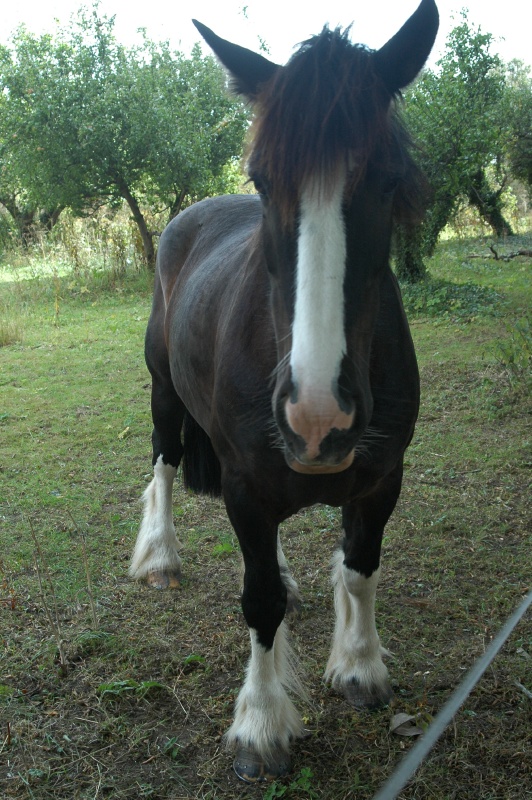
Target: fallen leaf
pixel 405 725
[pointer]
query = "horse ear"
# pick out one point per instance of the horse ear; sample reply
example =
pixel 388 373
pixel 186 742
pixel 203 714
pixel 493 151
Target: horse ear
pixel 401 58
pixel 248 70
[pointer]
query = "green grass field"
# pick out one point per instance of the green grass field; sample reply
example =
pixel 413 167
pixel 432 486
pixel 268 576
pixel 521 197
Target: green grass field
pixel 111 690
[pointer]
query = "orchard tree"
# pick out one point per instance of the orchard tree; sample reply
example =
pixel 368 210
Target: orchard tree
pixel 198 128
pixel 90 122
pixel 23 171
pixel 456 116
pixel 519 113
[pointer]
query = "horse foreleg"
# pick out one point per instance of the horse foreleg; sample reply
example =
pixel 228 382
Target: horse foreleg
pixel 265 719
pixel 293 596
pixel 355 665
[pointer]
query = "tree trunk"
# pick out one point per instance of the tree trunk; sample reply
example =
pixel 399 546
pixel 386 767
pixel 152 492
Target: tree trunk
pixel 23 218
pixel 175 208
pixel 48 219
pixel 409 265
pixel 489 204
pixel 145 234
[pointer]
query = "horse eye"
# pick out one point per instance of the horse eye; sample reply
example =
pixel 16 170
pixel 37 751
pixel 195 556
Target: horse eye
pixel 259 186
pixel 391 184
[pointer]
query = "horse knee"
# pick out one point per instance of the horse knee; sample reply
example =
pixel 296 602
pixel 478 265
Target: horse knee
pixel 264 612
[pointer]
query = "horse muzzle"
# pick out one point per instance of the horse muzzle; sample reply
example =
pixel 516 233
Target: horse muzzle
pixel 318 441
pixel 320 468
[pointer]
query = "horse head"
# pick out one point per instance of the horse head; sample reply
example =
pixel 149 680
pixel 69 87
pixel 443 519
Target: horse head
pixel 331 163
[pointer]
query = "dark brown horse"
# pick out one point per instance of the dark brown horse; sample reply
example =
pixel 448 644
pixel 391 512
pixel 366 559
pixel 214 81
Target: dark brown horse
pixel 283 369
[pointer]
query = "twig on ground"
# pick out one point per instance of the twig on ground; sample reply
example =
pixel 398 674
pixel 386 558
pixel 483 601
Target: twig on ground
pixel 87 573
pixel 54 623
pixel 525 691
pixel 504 257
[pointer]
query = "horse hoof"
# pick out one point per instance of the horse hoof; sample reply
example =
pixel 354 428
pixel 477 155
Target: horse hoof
pixel 252 768
pixel 368 697
pixel 293 605
pixel 159 579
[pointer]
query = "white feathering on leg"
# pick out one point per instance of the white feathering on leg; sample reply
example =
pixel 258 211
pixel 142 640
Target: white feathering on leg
pixel 157 545
pixel 265 717
pixel 356 653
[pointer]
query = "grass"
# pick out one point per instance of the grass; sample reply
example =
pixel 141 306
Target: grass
pixel 151 677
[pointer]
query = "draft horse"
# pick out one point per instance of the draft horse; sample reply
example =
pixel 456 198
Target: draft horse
pixel 283 371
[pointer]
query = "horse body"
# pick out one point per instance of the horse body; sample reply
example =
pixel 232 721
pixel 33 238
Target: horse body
pixel 220 347
pixel 278 344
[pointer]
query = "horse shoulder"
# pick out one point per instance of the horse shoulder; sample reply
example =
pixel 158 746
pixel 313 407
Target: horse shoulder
pixel 211 222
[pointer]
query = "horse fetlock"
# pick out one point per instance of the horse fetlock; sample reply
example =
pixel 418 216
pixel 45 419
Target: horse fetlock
pixel 156 558
pixel 265 723
pixel 363 680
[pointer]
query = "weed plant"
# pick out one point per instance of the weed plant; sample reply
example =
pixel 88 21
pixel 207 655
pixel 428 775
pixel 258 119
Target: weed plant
pixel 514 354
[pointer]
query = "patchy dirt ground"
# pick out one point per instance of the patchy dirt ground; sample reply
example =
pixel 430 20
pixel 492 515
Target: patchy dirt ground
pixel 149 691
pixel 147 688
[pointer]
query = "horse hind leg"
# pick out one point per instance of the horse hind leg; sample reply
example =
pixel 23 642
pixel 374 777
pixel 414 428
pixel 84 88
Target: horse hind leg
pixel 156 555
pixel 293 597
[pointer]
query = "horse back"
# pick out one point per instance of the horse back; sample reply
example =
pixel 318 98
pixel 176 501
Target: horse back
pixel 204 233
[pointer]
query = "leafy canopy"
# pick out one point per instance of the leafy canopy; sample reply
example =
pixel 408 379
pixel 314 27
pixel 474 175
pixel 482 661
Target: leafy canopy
pixel 85 120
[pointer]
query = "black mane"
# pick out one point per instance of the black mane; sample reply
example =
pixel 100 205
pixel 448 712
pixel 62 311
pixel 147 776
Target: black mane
pixel 326 104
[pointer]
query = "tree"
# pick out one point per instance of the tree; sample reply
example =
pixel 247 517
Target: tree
pixel 456 116
pixel 19 152
pixel 89 121
pixel 519 111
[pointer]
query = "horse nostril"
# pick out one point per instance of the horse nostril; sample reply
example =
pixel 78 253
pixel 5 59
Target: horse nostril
pixel 346 401
pixel 286 393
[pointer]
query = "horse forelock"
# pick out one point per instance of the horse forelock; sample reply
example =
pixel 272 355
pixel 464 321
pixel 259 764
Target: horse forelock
pixel 327 105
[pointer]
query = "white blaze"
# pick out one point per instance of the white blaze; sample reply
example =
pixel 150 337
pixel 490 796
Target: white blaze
pixel 318 336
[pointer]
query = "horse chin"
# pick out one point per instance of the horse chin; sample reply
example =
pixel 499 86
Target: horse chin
pixel 321 469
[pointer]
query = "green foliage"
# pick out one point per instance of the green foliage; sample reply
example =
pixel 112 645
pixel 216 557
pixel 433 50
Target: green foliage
pixel 300 787
pixel 86 121
pixel 514 354
pixel 192 661
pixel 117 689
pixel 519 115
pixel 225 546
pixel 445 300
pixel 172 748
pixel 89 642
pixel 458 116
pixel 10 333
